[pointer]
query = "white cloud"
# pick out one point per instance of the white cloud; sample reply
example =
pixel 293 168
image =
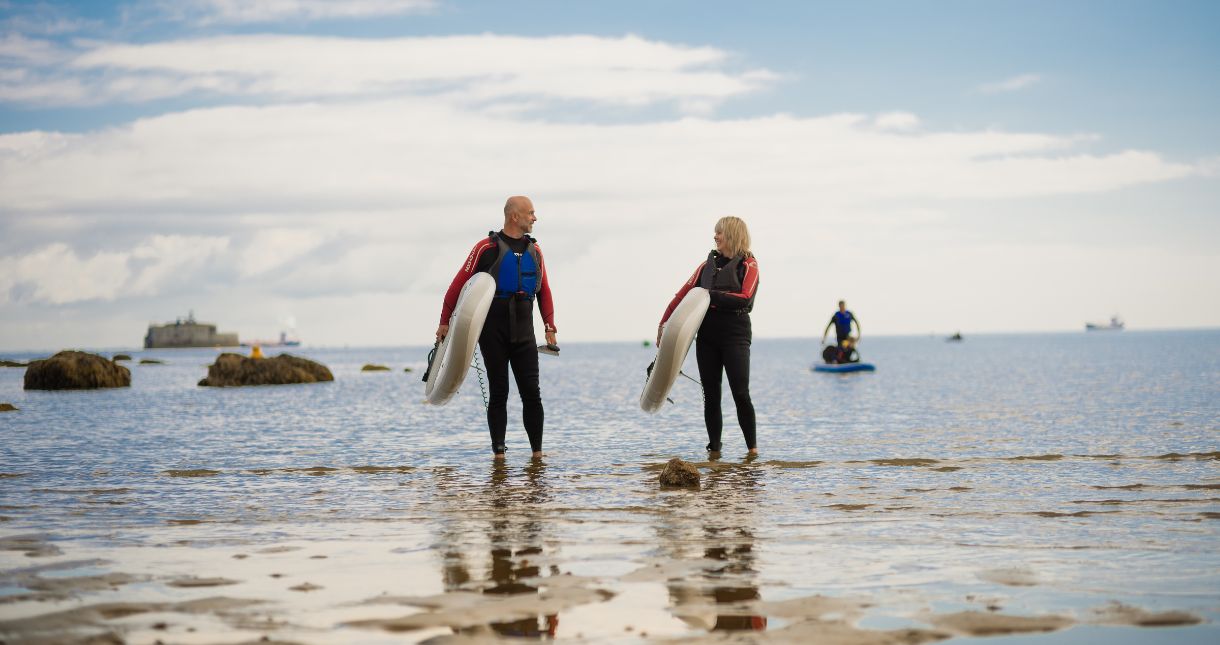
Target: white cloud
pixel 231 12
pixel 1010 84
pixel 56 274
pixel 19 49
pixel 896 121
pixel 268 249
pixel 483 68
pixel 317 158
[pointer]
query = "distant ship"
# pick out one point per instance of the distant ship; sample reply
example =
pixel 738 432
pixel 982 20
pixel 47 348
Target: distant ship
pixel 1116 324
pixel 284 341
pixel 187 333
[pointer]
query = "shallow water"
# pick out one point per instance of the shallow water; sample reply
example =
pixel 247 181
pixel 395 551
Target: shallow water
pixel 1070 477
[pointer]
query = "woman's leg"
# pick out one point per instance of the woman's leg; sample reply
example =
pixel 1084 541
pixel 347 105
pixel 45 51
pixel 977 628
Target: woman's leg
pixel 707 353
pixel 737 366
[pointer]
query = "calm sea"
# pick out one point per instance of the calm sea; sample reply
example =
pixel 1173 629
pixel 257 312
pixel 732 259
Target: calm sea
pixel 1031 475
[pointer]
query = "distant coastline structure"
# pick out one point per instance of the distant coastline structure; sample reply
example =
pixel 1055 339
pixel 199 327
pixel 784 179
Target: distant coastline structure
pixel 187 333
pixel 1116 324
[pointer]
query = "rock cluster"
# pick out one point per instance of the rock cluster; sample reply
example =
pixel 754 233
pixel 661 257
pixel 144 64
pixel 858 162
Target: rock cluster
pixel 70 370
pixel 231 370
pixel 680 473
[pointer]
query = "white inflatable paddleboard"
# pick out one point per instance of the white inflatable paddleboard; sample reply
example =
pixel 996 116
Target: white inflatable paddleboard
pixel 676 338
pixel 453 356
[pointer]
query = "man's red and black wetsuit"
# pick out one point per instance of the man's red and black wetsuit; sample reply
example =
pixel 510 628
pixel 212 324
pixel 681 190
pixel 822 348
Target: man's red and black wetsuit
pixel 508 334
pixel 723 343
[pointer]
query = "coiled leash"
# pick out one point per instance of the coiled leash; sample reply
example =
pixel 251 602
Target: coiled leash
pixel 478 370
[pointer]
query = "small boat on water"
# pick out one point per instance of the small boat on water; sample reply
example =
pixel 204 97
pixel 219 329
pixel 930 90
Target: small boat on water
pixel 955 338
pixel 284 341
pixel 1116 324
pixel 843 368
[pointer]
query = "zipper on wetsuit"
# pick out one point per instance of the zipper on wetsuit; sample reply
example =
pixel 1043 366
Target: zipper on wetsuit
pixel 519 289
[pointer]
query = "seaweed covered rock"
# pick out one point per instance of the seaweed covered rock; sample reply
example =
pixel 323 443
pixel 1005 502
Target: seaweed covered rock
pixel 680 473
pixel 151 361
pixel 71 370
pixel 232 370
pixel 374 368
pixel 121 357
pixel 7 407
pixel 8 363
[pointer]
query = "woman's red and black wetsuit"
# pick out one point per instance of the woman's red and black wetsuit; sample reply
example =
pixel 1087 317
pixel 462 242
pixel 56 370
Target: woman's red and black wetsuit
pixel 723 343
pixel 508 334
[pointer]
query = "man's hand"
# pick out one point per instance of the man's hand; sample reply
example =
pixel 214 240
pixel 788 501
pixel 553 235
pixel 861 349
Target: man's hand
pixel 550 338
pixel 441 332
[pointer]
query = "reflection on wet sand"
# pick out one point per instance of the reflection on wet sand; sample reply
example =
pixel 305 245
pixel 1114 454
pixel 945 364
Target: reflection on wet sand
pixel 515 545
pixel 719 522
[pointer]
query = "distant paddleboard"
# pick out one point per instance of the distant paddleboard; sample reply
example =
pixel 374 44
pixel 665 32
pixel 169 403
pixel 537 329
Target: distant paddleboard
pixel 453 355
pixel 676 338
pixel 843 368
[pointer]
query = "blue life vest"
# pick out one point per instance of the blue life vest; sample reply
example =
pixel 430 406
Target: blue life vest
pixel 843 323
pixel 516 274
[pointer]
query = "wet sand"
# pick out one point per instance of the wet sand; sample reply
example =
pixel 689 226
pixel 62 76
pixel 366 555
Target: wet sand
pixel 514 550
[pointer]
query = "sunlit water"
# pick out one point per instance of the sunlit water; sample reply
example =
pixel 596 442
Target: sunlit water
pixel 1025 475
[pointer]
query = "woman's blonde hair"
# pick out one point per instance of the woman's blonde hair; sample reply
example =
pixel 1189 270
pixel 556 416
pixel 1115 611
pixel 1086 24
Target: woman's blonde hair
pixel 736 236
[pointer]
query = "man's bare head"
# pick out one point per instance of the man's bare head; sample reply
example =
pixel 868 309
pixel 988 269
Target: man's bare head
pixel 518 216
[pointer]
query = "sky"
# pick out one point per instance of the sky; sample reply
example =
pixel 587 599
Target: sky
pixel 323 167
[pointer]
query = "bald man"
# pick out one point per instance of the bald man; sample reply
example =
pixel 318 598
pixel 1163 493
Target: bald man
pixel 513 258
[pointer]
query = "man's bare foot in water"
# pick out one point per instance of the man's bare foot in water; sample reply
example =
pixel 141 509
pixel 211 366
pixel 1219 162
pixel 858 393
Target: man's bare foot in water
pixel 499 456
pixel 753 452
pixel 713 455
pixel 538 454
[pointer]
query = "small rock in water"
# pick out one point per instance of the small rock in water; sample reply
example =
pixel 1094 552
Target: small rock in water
pixel 120 357
pixel 151 361
pixel 680 473
pixel 7 407
pixel 8 363
pixel 69 370
pixel 374 368
pixel 231 370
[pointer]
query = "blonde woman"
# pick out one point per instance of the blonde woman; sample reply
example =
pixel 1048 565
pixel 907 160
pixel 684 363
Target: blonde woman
pixel 730 273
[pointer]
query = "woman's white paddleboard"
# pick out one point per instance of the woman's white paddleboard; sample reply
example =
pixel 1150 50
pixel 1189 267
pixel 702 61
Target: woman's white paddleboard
pixel 676 338
pixel 452 360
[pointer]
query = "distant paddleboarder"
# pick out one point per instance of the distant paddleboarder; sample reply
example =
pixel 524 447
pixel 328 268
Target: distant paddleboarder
pixel 730 273
pixel 842 321
pixel 513 258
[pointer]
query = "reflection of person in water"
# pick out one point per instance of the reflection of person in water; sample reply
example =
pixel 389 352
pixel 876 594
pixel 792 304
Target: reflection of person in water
pixel 508 567
pixel 727 538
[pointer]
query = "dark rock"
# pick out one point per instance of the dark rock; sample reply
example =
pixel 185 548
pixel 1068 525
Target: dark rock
pixel 121 357
pixel 231 370
pixel 69 370
pixel 680 473
pixel 13 364
pixel 407 369
pixel 151 361
pixel 7 407
pixel 374 368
